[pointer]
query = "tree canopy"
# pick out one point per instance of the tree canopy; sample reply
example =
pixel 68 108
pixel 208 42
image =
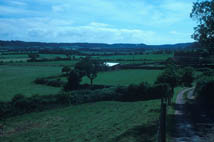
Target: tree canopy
pixel 66 69
pixel 169 76
pixel 74 79
pixel 89 68
pixel 203 13
pixel 174 76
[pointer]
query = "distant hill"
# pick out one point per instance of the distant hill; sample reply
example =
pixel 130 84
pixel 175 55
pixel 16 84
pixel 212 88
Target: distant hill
pixel 22 44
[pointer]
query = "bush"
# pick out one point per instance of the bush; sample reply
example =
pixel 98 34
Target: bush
pixel 41 81
pixel 21 104
pixel 159 91
pixel 134 92
pixel 74 80
pixel 19 101
pixel 143 92
pixel 208 72
pixel 5 109
pixel 66 69
pixel 204 91
pixel 45 81
pixel 186 76
pixel 55 83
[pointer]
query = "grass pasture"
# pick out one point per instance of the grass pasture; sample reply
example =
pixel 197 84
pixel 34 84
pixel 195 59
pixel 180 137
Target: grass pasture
pixel 14 58
pixel 153 57
pixel 49 63
pixel 52 56
pixel 94 122
pixel 19 79
pixel 125 77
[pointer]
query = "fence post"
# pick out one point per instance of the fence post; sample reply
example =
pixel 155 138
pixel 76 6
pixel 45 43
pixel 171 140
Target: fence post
pixel 1 129
pixel 163 123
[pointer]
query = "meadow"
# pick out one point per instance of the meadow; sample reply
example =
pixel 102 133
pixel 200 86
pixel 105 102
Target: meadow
pixel 125 77
pixel 19 80
pixel 123 59
pixel 95 122
pixel 153 57
pixel 18 77
pixel 48 63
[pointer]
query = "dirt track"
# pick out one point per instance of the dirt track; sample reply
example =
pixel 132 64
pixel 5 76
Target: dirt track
pixel 184 129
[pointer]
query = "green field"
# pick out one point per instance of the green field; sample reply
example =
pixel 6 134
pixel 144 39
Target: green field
pixel 94 122
pixel 19 79
pixel 51 56
pixel 16 56
pixel 123 59
pixel 135 62
pixel 125 77
pixel 24 57
pixel 49 63
pixel 154 57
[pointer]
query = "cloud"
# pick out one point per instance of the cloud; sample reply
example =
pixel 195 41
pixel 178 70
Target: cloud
pixel 46 29
pixel 59 8
pixel 17 3
pixel 11 10
pixel 136 21
pixel 95 24
pixel 177 6
pixel 57 30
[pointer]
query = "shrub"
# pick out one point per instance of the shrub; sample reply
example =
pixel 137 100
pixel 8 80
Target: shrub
pixel 45 81
pixel 204 91
pixel 21 104
pixel 55 83
pixel 208 72
pixel 135 92
pixel 74 80
pixel 159 91
pixel 142 92
pixel 41 81
pixel 66 69
pixel 5 109
pixel 186 76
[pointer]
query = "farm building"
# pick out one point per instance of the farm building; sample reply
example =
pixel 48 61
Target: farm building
pixel 112 66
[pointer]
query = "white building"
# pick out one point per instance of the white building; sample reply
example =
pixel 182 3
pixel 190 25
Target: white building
pixel 112 66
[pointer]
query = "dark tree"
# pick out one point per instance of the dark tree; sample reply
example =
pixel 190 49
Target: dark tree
pixel 169 76
pixel 170 61
pixel 74 80
pixel 186 76
pixel 208 72
pixel 89 67
pixel 204 92
pixel 33 56
pixel 203 13
pixel 66 69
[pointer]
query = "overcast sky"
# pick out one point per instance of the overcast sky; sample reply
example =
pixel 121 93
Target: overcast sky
pixel 102 21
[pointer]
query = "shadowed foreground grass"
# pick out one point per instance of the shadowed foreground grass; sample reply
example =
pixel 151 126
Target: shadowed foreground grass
pixel 93 122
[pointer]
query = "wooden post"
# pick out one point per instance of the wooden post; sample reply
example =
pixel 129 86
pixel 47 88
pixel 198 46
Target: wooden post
pixel 1 129
pixel 163 123
pixel 169 100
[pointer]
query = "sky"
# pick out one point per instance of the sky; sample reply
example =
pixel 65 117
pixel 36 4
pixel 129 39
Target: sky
pixel 97 21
